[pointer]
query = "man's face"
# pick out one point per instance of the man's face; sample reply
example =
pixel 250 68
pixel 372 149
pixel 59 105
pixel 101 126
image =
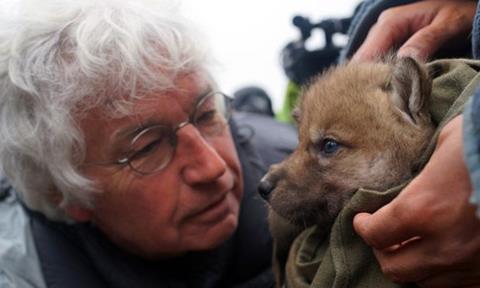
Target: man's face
pixel 192 204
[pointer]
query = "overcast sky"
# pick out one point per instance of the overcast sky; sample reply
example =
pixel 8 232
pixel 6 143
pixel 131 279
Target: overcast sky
pixel 247 36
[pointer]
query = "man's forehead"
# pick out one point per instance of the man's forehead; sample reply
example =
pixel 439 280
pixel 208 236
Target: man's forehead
pixel 160 109
pixel 187 90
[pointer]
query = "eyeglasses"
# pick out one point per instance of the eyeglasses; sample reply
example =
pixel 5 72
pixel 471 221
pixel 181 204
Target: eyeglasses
pixel 153 148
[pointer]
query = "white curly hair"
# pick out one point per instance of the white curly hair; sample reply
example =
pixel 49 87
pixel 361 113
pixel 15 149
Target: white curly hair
pixel 60 58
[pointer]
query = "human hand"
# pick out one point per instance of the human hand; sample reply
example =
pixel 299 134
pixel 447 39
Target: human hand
pixel 429 234
pixel 418 29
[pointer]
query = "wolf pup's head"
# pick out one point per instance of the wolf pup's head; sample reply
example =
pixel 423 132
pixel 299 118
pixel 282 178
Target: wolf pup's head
pixel 361 125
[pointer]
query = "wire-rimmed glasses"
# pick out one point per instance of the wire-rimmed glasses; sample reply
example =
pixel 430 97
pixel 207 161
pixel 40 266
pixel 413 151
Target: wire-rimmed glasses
pixel 153 148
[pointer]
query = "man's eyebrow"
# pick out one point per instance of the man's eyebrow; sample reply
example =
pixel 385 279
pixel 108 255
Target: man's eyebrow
pixel 201 96
pixel 129 132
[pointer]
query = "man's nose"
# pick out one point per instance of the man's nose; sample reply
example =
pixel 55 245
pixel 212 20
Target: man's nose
pixel 202 163
pixel 265 188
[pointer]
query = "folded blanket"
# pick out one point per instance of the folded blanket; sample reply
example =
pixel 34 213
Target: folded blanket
pixel 342 259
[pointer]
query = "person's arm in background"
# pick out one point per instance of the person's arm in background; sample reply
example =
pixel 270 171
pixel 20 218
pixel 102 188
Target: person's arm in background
pixel 418 29
pixel 433 209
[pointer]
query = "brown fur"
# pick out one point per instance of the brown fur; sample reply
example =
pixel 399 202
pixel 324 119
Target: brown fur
pixel 377 113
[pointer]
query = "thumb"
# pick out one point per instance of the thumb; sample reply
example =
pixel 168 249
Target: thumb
pixel 362 226
pixel 360 223
pixel 386 227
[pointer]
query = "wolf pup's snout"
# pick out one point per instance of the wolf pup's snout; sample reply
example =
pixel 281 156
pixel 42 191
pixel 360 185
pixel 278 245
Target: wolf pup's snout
pixel 270 181
pixel 265 188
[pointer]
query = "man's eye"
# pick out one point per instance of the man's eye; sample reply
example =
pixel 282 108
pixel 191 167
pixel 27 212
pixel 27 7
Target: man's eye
pixel 206 117
pixel 329 146
pixel 148 149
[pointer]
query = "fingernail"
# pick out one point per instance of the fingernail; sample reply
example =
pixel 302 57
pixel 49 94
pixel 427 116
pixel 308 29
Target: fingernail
pixel 360 219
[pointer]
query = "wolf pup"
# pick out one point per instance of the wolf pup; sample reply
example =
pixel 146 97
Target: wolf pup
pixel 361 125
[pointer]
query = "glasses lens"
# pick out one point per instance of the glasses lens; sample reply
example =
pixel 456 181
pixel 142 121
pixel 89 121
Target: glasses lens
pixel 212 114
pixel 151 150
pixel 154 147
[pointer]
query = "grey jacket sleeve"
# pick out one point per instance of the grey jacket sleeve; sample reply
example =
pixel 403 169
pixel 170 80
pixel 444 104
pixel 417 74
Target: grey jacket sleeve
pixel 19 266
pixel 471 145
pixel 471 124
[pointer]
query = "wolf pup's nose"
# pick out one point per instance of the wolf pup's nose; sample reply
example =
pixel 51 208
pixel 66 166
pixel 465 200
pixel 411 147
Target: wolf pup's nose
pixel 265 188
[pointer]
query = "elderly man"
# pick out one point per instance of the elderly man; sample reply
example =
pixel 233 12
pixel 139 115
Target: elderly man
pixel 115 140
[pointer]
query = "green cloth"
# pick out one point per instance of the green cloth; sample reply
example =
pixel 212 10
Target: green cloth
pixel 342 259
pixel 289 102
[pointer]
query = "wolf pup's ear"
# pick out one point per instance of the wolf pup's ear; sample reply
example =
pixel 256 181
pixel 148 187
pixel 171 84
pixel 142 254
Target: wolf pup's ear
pixel 410 88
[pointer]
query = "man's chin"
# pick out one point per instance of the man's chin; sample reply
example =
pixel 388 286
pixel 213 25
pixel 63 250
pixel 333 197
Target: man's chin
pixel 215 235
pixel 195 238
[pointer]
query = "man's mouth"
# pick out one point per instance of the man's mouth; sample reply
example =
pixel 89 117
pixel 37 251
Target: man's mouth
pixel 215 211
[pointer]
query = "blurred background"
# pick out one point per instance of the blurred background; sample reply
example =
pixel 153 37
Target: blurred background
pixel 247 37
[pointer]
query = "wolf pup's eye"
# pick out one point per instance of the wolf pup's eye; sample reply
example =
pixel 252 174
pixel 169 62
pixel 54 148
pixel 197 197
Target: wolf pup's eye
pixel 329 146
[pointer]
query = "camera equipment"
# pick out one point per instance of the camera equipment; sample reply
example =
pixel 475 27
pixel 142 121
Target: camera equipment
pixel 299 63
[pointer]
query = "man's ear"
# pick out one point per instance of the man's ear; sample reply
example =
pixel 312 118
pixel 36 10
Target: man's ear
pixel 410 88
pixel 78 213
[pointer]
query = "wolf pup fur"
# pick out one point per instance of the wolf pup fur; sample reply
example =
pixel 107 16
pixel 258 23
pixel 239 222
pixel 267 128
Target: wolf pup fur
pixel 361 125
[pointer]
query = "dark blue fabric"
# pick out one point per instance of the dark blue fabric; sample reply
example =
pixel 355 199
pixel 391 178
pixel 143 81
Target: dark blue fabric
pixel 476 54
pixel 476 107
pixel 476 117
pixel 476 35
pixel 4 188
